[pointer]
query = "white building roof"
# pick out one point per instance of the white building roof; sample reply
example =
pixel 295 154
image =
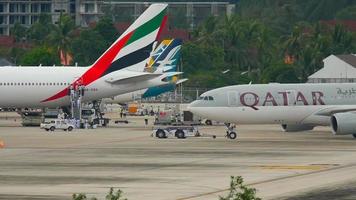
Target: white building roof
pixel 337 66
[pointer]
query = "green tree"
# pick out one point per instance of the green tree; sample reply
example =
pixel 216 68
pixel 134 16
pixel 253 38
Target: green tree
pixel 16 54
pixel 348 13
pixel 40 56
pixel 107 30
pixel 87 47
pixel 18 32
pixel 239 191
pixel 325 9
pixel 40 30
pixel 341 40
pixel 61 35
pixel 112 195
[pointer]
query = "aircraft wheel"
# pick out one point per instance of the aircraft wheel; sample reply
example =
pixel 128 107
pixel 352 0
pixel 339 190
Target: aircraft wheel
pixel 70 128
pixel 232 135
pixel 52 128
pixel 208 122
pixel 160 134
pixel 180 134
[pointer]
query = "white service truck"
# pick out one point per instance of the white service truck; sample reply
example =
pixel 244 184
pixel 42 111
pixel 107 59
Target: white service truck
pixel 57 124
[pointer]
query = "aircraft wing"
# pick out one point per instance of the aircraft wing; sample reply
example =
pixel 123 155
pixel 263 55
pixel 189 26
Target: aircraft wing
pixel 337 109
pixel 132 78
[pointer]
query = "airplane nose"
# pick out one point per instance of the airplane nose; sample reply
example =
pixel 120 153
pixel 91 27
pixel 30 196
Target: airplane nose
pixel 191 106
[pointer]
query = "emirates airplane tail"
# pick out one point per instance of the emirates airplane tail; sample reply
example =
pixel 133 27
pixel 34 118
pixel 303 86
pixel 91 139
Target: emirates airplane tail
pixel 111 74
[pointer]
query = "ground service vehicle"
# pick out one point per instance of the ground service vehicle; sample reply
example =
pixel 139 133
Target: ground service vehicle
pixel 180 132
pixel 57 124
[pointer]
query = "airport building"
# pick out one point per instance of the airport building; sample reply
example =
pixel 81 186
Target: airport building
pixel 337 69
pixel 183 14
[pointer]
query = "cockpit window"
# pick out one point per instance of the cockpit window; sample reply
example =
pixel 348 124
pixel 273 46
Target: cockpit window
pixel 206 98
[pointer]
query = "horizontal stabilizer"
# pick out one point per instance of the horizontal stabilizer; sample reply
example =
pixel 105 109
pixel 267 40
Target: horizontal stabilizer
pixel 165 69
pixel 132 77
pixel 181 81
pixel 170 74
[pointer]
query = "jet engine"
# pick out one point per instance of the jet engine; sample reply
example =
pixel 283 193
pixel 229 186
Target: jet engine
pixel 296 127
pixel 343 123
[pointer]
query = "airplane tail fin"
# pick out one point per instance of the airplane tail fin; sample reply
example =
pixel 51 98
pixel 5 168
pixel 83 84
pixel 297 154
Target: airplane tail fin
pixel 166 57
pixel 133 46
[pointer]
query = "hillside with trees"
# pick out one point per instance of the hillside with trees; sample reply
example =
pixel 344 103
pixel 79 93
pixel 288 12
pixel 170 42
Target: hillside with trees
pixel 268 41
pixel 263 41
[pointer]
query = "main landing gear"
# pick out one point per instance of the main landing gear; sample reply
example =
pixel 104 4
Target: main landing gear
pixel 231 131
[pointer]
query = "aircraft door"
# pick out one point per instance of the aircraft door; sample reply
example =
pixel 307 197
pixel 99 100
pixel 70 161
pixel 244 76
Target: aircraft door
pixel 233 98
pixel 291 96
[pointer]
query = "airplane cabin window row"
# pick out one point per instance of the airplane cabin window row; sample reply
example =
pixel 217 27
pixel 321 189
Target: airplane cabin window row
pixel 206 98
pixel 33 84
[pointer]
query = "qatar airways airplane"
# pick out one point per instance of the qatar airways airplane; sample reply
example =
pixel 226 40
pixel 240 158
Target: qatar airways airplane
pixel 297 107
pixel 117 71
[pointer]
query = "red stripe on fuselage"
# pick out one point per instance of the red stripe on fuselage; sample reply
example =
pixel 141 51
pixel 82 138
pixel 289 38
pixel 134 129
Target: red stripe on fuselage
pixel 98 68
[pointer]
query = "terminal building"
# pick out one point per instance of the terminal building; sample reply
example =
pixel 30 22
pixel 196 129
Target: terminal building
pixel 183 14
pixel 337 69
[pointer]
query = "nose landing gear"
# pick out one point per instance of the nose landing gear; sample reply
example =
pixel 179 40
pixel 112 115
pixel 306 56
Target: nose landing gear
pixel 231 131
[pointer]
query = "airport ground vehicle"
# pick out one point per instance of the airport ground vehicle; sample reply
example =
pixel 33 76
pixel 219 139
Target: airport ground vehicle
pixel 31 118
pixel 57 124
pixel 171 117
pixel 180 132
pixel 93 117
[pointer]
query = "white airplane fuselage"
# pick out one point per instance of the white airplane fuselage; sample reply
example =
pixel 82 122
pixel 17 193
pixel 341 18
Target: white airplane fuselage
pixel 276 103
pixel 31 86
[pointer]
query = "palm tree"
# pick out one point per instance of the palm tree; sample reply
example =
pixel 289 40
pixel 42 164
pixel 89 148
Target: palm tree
pixel 60 36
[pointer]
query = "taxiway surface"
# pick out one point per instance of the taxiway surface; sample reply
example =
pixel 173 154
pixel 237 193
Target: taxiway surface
pixel 36 164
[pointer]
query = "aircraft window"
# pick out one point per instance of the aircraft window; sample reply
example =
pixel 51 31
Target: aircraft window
pixel 206 98
pixel 211 98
